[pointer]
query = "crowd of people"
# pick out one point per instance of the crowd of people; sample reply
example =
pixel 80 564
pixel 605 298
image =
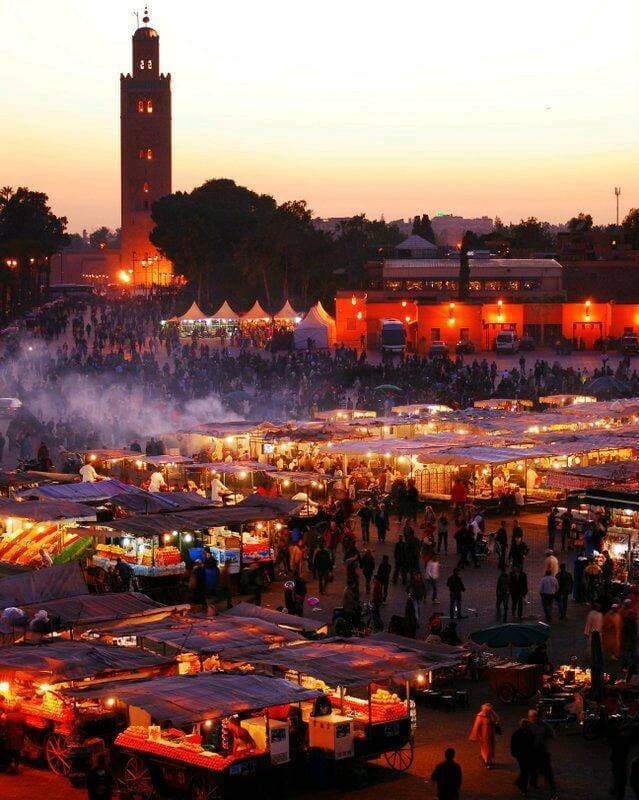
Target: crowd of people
pixel 124 344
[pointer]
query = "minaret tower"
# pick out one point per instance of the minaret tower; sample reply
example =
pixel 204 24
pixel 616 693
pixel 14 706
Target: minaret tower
pixel 145 153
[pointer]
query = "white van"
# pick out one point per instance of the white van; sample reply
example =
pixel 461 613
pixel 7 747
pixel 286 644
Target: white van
pixel 506 342
pixel 393 336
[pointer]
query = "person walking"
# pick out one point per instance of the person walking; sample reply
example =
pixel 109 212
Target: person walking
pixel 551 563
pixel 628 639
pixel 382 522
pixel 611 633
pixel 565 583
pixel 501 544
pixel 442 533
pixel 432 576
pixel 447 775
pixel 322 566
pixel 521 748
pixel 365 515
pixel 383 576
pixel 518 588
pixel 367 565
pixel 542 762
pixel 455 587
pixel 620 739
pixel 197 585
pixel 548 588
pixel 400 557
pixel 410 617
pixel 518 552
pixel 484 731
pixel 502 595
pixel 551 525
pixel 566 527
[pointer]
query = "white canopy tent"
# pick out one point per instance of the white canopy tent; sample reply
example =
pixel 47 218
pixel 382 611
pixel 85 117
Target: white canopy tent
pixel 317 327
pixel 193 314
pixel 225 314
pixel 256 314
pixel 288 313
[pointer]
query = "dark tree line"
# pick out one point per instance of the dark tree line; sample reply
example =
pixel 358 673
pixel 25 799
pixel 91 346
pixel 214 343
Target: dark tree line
pixel 231 242
pixel 30 233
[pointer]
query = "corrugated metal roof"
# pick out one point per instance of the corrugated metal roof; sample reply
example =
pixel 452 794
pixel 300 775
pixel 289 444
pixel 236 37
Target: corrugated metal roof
pixel 83 492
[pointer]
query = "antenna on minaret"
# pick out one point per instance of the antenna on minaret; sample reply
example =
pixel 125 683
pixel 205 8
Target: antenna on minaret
pixel 137 17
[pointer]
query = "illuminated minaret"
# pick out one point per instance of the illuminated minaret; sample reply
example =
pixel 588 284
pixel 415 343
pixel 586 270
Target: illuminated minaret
pixel 145 153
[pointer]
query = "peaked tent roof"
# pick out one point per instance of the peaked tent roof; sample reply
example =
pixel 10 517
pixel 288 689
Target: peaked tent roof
pixel 287 312
pixel 414 242
pixel 192 314
pixel 256 312
pixel 323 313
pixel 313 319
pixel 225 312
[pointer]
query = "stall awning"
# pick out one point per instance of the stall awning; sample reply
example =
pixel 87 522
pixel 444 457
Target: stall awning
pixel 350 663
pixel 225 313
pixel 187 699
pixel 82 492
pixel 224 636
pixel 608 498
pixel 59 660
pixel 482 455
pixel 287 312
pixel 46 510
pixel 58 581
pixel 279 618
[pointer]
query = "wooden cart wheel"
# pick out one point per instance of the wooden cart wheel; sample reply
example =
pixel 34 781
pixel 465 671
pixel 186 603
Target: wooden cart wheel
pixel 56 754
pixel 135 780
pixel 400 760
pixel 203 787
pixel 507 693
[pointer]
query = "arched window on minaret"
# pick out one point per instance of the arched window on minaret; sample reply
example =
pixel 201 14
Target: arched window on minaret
pixel 146 187
pixel 149 64
pixel 149 106
pixel 149 154
pixel 142 63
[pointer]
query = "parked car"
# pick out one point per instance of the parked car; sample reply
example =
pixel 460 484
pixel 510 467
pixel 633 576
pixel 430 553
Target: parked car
pixel 629 344
pixel 506 342
pixel 527 343
pixel 438 348
pixel 464 346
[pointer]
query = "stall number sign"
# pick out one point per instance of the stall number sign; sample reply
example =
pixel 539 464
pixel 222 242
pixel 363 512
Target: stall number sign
pixel 342 730
pixel 244 768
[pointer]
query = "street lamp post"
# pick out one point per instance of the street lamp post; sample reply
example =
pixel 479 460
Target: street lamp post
pixel 617 195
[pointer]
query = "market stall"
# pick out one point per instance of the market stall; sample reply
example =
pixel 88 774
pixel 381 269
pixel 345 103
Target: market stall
pixel 34 533
pixel 504 404
pixel 620 510
pixel 368 685
pixel 193 323
pixel 35 677
pixel 203 736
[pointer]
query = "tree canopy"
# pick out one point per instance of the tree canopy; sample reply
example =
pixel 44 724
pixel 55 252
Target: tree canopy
pixel 30 233
pixel 630 227
pixel 231 242
pixel 582 222
pixel 422 226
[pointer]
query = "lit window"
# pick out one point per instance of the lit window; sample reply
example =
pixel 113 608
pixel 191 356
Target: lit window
pixel 141 63
pixel 140 106
pixel 145 187
pixel 149 106
pixel 149 64
pixel 141 154
pixel 149 154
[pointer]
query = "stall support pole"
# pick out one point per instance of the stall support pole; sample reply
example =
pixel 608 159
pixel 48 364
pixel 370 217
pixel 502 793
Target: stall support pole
pixel 525 481
pixel 341 700
pixel 408 696
pixel 370 706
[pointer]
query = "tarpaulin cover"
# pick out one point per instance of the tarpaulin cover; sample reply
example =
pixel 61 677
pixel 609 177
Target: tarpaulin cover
pixel 60 580
pixel 59 660
pixel 350 663
pixel 90 610
pixel 186 699
pixel 291 621
pixel 283 505
pixel 82 492
pixel 220 635
pixel 46 510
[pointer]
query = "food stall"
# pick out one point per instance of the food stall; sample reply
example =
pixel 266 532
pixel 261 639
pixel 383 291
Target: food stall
pixel 35 677
pixel 561 400
pixel 368 685
pixel 202 736
pixel 32 532
pixel 621 509
pixel 504 404
pixel 305 626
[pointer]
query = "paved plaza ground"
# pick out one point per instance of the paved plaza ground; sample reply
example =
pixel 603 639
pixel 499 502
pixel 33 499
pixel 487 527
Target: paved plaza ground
pixel 581 767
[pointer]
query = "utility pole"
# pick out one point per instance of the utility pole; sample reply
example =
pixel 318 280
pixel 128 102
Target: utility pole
pixel 617 194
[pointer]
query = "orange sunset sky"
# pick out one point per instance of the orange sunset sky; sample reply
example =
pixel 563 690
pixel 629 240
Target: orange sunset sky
pixel 496 108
